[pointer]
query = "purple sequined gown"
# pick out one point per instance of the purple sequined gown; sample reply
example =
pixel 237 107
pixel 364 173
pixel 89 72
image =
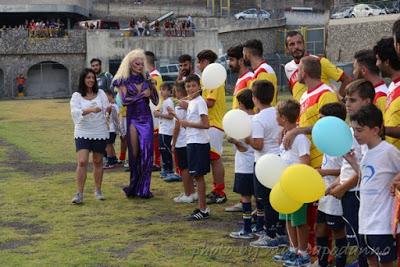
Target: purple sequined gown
pixel 138 115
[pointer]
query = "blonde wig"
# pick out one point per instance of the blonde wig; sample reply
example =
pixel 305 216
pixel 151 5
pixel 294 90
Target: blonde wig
pixel 124 70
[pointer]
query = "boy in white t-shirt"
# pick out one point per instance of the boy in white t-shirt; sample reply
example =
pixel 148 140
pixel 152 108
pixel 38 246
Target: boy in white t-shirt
pixel 166 129
pixel 113 127
pixel 265 132
pixel 179 147
pixel 330 211
pixel 198 143
pixel 244 164
pixel 296 223
pixel 379 167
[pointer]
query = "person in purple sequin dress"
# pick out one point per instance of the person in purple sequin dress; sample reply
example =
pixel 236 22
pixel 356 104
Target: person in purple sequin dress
pixel 136 91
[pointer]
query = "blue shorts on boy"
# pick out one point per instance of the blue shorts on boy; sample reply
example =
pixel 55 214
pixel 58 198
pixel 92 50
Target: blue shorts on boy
pixel 244 162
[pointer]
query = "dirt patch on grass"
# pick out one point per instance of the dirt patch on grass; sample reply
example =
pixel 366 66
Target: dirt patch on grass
pixel 20 161
pixel 130 248
pixel 29 228
pixel 13 244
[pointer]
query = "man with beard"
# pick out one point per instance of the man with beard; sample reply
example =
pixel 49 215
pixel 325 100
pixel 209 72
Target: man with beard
pixel 237 66
pixel 389 64
pixel 295 47
pixel 364 67
pixel 104 79
pixel 253 56
pixel 185 67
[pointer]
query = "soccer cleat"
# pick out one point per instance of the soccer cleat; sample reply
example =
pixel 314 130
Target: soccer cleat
pixel 216 199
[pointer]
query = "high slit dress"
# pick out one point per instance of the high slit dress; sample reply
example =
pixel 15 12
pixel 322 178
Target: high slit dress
pixel 138 115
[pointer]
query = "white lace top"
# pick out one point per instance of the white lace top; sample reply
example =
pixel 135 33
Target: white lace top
pixel 92 125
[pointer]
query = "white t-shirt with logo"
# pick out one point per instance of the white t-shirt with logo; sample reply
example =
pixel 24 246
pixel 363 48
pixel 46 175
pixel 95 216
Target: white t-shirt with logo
pixel 300 147
pixel 166 126
pixel 265 126
pixel 378 168
pixel 181 139
pixel 114 119
pixel 329 204
pixel 244 161
pixel 196 108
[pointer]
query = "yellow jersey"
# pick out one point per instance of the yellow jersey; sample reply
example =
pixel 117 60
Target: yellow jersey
pixel 328 72
pixel 242 83
pixel 265 72
pixel 380 96
pixel 311 101
pixel 216 112
pixel 392 114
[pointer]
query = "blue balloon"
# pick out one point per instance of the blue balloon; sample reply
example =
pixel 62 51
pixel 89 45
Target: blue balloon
pixel 332 136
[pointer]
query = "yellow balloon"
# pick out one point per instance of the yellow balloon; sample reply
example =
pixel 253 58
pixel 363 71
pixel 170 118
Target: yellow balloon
pixel 302 183
pixel 281 202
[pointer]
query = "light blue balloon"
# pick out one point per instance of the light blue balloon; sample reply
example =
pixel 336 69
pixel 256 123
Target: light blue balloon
pixel 332 136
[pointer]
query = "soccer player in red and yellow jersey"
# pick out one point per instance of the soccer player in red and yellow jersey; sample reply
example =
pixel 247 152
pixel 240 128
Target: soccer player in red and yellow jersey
pixel 253 56
pixel 295 47
pixel 215 98
pixel 364 67
pixel 236 65
pixel 317 95
pixel 157 79
pixel 389 64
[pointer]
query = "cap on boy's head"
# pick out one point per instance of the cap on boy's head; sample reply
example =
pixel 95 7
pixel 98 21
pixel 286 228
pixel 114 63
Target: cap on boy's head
pixel 192 78
pixel 290 109
pixel 363 88
pixel 369 116
pixel 334 109
pixel 245 97
pixel 263 91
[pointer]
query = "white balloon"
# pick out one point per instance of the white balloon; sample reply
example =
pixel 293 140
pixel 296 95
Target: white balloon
pixel 269 169
pixel 237 124
pixel 213 76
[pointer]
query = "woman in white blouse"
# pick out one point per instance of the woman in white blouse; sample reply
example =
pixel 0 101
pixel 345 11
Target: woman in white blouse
pixel 88 108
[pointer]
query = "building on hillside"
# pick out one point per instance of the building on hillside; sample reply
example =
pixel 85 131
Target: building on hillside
pixel 36 42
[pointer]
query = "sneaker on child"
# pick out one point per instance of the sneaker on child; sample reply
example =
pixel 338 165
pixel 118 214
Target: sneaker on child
pixel 198 215
pixel 298 261
pixel 99 196
pixel 235 208
pixel 241 234
pixel 182 198
pixel 78 198
pixel 288 255
pixel 172 177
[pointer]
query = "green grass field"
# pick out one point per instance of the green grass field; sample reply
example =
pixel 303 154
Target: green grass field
pixel 39 226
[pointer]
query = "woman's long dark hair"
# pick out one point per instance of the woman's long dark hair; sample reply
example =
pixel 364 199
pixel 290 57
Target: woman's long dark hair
pixel 82 89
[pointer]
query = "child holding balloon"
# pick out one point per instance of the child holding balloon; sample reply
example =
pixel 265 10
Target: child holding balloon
pixel 379 168
pixel 330 212
pixel 265 132
pixel 244 161
pixel 296 223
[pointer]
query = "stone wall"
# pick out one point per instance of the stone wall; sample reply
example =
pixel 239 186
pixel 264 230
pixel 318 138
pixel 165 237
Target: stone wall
pixel 18 53
pixel 267 32
pixel 347 36
pixel 107 46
